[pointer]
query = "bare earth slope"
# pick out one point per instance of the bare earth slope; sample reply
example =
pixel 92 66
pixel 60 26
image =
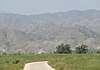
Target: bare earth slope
pixel 38 66
pixel 43 32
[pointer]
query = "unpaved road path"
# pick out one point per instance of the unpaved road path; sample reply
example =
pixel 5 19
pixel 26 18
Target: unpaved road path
pixel 38 66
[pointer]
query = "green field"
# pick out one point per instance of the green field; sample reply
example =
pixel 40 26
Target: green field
pixel 57 61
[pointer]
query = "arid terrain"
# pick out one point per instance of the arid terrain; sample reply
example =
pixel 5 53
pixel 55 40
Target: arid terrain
pixel 43 32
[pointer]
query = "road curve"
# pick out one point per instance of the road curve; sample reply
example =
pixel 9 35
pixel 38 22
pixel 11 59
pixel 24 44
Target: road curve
pixel 38 66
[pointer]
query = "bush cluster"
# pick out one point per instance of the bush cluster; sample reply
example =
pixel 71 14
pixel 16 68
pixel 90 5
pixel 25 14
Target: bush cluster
pixel 66 49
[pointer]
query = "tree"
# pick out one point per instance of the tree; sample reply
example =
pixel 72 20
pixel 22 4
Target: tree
pixel 82 49
pixel 63 48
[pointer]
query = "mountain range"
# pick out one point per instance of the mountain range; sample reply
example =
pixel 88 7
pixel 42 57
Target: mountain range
pixel 43 32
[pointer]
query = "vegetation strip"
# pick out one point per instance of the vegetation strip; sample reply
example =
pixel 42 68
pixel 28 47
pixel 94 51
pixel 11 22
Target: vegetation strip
pixel 57 61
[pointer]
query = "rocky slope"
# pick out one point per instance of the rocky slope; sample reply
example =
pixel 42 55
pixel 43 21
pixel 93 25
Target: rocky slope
pixel 33 33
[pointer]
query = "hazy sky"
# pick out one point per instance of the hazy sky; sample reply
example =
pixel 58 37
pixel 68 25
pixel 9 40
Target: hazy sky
pixel 43 6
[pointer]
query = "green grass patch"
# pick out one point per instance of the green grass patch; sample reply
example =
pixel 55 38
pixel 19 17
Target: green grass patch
pixel 57 61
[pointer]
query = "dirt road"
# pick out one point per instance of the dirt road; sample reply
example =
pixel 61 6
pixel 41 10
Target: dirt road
pixel 38 66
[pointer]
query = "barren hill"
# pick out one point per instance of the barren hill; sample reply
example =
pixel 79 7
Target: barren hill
pixel 32 33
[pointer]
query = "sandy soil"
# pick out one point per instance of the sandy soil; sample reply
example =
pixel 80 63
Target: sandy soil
pixel 38 66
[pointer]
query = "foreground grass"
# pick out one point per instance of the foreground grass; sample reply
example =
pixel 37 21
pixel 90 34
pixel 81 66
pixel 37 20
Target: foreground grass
pixel 57 61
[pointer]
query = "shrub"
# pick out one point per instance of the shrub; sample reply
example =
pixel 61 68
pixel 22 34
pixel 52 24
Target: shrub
pixel 98 51
pixel 4 53
pixel 82 49
pixel 63 48
pixel 16 61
